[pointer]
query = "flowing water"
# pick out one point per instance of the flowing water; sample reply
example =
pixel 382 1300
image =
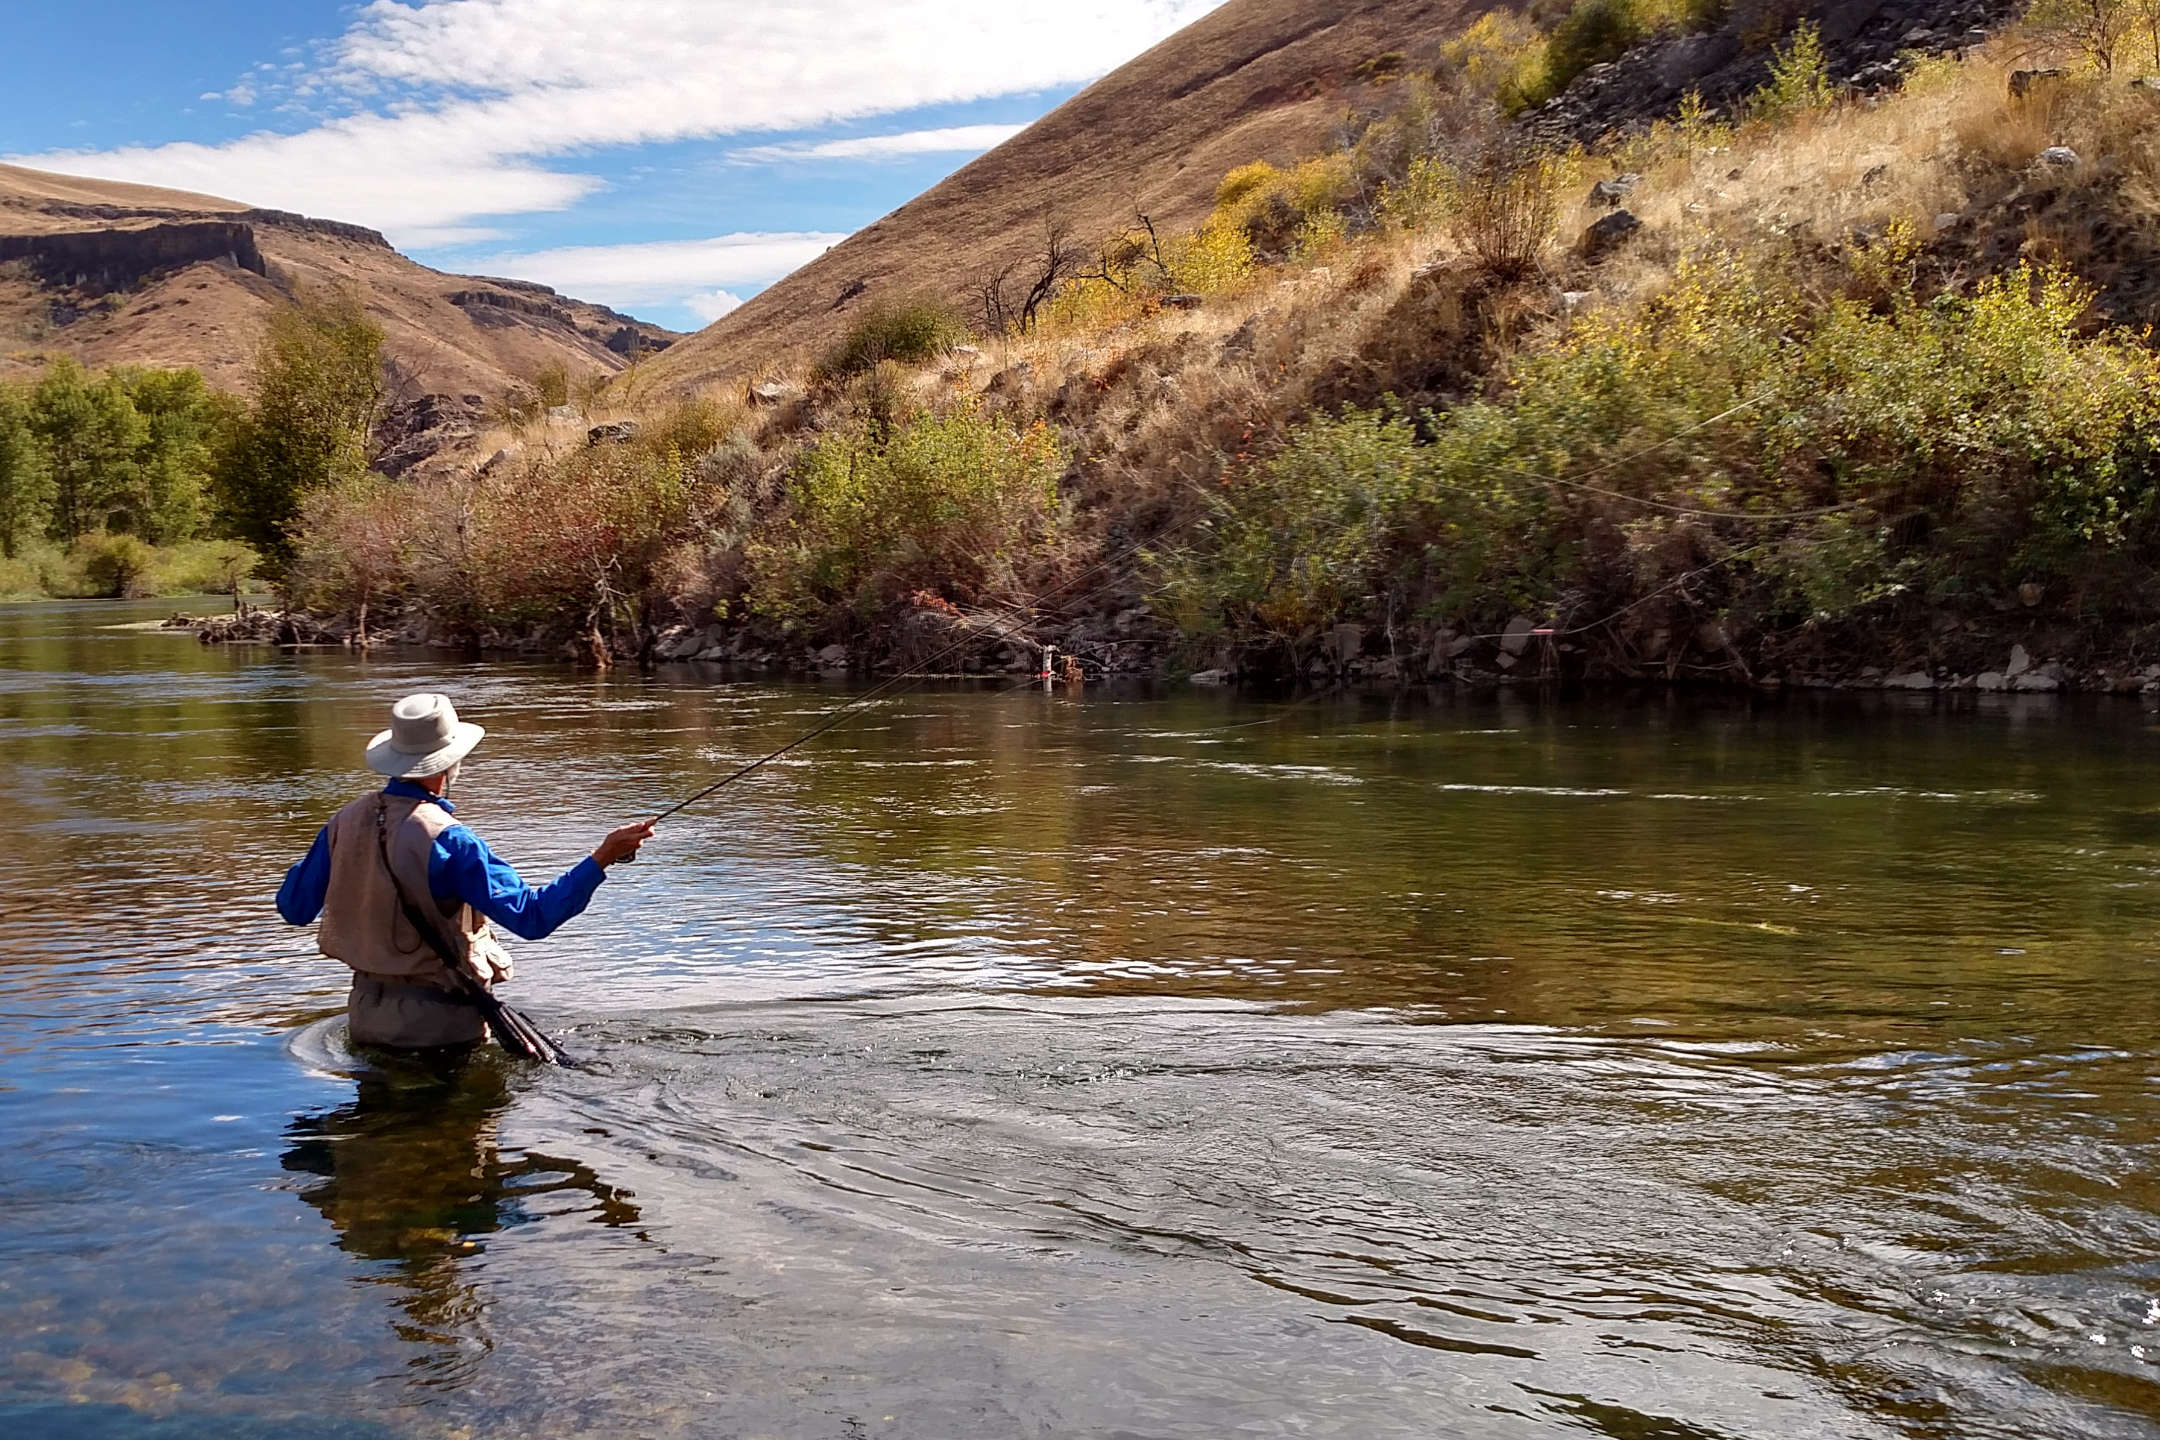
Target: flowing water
pixel 1010 1065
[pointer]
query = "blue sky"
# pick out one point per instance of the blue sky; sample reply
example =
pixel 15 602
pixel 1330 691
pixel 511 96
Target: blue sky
pixel 667 157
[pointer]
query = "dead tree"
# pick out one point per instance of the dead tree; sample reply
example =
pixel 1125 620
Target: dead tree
pixel 1007 306
pixel 1118 261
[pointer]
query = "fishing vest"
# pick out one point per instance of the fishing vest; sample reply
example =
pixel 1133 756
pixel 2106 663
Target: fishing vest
pixel 363 924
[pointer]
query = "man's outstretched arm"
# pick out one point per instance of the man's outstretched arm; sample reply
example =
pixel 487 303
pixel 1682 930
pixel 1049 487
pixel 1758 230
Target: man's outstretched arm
pixel 462 865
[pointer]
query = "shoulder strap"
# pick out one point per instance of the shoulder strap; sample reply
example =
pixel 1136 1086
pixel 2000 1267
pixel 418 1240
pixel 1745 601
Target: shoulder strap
pixel 429 935
pixel 512 1030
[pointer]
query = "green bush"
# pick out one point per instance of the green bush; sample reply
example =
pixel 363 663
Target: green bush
pixel 1861 448
pixel 117 566
pixel 908 332
pixel 949 503
pixel 1591 33
pixel 203 567
pixel 1799 77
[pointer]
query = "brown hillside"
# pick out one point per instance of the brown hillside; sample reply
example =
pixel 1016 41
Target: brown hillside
pixel 1255 80
pixel 116 274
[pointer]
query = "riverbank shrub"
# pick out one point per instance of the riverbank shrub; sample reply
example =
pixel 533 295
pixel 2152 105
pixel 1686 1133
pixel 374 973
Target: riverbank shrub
pixel 1740 440
pixel 356 550
pixel 114 566
pixel 106 565
pixel 952 503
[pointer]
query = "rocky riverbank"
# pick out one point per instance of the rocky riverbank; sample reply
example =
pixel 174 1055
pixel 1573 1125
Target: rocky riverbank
pixel 1132 643
pixel 252 625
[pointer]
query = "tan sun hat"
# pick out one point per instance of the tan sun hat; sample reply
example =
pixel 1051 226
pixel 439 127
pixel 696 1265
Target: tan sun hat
pixel 425 738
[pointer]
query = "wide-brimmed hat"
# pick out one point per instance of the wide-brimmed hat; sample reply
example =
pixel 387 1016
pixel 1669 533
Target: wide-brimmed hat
pixel 425 738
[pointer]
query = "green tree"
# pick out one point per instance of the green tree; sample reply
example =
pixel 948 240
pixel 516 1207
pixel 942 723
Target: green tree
pixel 90 434
pixel 26 490
pixel 318 389
pixel 182 422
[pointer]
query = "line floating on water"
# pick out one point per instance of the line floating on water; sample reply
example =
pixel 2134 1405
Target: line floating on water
pixel 899 684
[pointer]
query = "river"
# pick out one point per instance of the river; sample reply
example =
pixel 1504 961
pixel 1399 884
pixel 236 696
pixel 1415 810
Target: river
pixel 1124 1065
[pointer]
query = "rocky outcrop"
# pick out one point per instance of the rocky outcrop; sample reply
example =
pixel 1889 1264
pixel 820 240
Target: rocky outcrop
pixel 1864 41
pixel 108 260
pixel 414 432
pixel 309 225
pixel 477 302
pixel 503 302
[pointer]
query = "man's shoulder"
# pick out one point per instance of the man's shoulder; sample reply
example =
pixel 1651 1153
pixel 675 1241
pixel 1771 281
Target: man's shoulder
pixel 456 835
pixel 363 805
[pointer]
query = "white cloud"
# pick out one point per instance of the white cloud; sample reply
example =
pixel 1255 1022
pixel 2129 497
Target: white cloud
pixel 712 304
pixel 460 101
pixel 692 273
pixel 443 237
pixel 957 140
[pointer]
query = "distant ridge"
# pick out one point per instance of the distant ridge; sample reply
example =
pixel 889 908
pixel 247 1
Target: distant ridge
pixel 115 274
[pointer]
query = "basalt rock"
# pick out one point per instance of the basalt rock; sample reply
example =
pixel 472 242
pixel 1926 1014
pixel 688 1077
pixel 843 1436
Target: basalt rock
pixel 1867 43
pixel 1608 234
pixel 413 433
pixel 109 260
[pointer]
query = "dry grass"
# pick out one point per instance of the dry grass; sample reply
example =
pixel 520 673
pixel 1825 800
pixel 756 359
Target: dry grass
pixel 1253 80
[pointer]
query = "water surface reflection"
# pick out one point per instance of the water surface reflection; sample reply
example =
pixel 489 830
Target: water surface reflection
pixel 411 1174
pixel 1163 1065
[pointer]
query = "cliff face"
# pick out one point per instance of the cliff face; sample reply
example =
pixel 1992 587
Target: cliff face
pixel 124 274
pixel 115 259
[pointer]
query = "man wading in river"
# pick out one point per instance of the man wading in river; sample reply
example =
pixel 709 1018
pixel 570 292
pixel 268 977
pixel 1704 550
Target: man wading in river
pixel 398 852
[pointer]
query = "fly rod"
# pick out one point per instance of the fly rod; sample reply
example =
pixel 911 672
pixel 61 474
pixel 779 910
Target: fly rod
pixel 895 684
pixel 898 682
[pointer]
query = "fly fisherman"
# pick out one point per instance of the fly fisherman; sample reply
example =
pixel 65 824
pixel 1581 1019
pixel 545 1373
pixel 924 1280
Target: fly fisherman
pixel 397 856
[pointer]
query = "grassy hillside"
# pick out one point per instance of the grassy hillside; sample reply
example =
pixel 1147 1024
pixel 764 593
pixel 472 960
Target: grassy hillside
pixel 1254 80
pixel 1855 387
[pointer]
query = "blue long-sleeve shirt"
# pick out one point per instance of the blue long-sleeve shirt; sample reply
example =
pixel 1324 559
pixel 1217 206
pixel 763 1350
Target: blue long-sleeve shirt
pixel 459 866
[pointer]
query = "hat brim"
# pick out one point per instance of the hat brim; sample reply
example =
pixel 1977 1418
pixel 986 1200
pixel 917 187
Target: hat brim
pixel 386 759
